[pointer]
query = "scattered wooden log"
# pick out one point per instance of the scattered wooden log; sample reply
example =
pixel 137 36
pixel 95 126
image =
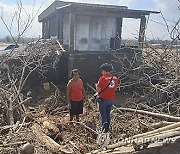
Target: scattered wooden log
pixel 137 143
pixel 48 142
pixel 13 126
pixel 158 137
pixel 12 144
pixel 161 124
pixel 158 115
pixel 166 129
pixel 169 127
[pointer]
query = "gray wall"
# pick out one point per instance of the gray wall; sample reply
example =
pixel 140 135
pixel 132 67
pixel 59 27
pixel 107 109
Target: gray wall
pixel 66 28
pixel 53 24
pixel 92 33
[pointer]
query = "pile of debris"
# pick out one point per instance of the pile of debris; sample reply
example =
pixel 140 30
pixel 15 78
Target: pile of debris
pixel 51 130
pixel 39 119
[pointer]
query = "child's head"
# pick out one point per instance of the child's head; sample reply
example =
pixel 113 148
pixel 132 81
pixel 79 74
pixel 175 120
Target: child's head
pixel 106 67
pixel 75 74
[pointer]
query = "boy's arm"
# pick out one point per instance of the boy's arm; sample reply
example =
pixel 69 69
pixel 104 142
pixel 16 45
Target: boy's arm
pixel 98 85
pixel 98 89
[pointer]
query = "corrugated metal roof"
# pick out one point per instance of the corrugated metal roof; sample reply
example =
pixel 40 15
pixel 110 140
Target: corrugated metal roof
pixel 101 6
pixel 96 5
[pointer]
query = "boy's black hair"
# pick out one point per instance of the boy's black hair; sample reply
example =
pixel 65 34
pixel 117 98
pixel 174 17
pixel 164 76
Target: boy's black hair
pixel 106 67
pixel 74 71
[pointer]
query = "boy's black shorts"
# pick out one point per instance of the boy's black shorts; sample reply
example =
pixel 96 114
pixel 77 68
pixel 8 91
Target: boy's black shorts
pixel 76 108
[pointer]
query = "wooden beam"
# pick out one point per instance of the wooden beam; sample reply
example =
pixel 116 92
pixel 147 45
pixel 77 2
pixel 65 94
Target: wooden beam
pixel 142 31
pixel 71 32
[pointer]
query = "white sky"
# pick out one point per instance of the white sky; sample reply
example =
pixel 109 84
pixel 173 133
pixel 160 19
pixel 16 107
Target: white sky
pixel 156 28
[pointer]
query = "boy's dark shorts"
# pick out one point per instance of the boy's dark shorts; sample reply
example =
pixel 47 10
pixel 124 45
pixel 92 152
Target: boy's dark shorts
pixel 76 108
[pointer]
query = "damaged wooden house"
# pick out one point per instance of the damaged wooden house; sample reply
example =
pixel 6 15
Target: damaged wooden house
pixel 91 35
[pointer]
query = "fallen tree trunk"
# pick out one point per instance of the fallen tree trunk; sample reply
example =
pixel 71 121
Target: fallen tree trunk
pixel 158 115
pixel 48 142
pixel 166 129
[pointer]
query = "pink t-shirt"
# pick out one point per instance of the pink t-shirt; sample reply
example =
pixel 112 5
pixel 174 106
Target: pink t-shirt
pixel 76 92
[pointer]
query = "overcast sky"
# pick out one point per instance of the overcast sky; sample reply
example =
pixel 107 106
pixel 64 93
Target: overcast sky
pixel 156 28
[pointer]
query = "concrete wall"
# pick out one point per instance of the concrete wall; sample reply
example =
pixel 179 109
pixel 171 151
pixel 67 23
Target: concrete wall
pixel 82 33
pixel 53 25
pixel 66 28
pixel 93 33
pixel 45 29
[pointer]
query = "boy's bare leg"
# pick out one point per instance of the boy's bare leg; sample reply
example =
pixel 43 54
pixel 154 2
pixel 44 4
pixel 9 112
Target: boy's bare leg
pixel 77 117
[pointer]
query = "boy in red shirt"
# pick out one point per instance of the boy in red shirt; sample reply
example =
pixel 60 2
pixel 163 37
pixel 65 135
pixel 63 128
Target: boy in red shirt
pixel 108 84
pixel 75 94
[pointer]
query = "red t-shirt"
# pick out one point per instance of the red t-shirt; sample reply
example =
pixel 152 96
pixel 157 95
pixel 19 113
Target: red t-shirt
pixel 76 92
pixel 109 93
